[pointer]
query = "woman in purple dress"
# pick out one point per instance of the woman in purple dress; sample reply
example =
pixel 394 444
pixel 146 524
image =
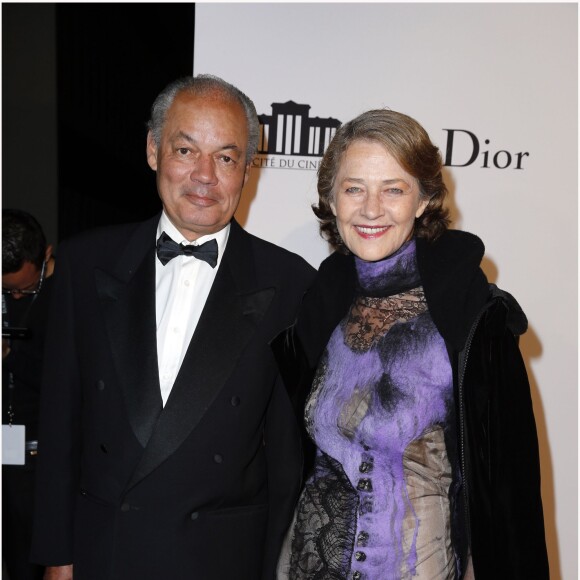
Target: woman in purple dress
pixel 414 391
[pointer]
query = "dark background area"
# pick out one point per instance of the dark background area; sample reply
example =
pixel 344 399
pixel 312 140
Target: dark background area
pixel 78 81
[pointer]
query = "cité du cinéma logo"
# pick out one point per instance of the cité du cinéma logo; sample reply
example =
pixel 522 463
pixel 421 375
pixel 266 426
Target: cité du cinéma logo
pixel 291 139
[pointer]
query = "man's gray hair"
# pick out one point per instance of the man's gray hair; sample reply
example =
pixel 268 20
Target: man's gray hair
pixel 200 85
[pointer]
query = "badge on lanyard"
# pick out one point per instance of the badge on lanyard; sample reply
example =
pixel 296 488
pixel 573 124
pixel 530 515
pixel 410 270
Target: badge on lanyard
pixel 13 441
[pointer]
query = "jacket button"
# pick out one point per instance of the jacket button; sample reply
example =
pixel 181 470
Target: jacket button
pixel 360 556
pixel 100 385
pixel 125 507
pixel 235 401
pixel 194 515
pixel 356 575
pixel 218 458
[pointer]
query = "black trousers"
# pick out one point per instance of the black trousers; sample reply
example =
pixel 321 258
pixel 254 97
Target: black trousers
pixel 17 517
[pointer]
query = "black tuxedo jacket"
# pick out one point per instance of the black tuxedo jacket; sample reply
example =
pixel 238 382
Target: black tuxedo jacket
pixel 201 489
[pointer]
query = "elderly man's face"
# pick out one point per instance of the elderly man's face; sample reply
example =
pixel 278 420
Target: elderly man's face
pixel 201 162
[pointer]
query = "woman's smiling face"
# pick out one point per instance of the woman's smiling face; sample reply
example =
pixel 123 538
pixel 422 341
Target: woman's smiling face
pixel 375 201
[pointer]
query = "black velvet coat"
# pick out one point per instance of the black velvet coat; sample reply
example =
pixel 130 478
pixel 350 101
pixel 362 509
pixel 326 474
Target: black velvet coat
pixel 497 509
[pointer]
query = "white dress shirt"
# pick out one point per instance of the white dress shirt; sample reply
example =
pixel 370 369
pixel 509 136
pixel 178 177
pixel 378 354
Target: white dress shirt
pixel 181 290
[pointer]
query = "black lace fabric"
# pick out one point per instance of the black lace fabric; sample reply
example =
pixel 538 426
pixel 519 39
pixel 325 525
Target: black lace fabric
pixel 324 532
pixel 371 318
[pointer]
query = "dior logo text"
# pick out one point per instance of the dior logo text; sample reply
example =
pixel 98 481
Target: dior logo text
pixel 469 151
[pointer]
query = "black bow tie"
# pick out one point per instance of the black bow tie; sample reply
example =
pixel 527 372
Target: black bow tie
pixel 167 249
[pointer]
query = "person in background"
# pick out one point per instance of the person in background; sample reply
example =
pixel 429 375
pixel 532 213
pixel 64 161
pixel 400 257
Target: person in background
pixel 426 462
pixel 169 448
pixel 27 267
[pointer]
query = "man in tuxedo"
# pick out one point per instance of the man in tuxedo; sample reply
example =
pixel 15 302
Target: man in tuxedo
pixel 169 448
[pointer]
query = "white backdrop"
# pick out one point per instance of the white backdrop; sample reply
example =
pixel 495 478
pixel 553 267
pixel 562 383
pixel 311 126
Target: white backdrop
pixel 506 74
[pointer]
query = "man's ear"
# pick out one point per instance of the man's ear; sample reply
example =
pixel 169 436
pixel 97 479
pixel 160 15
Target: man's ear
pixel 49 262
pixel 151 151
pixel 247 173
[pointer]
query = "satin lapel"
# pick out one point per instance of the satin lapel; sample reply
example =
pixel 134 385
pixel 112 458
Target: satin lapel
pixel 127 296
pixel 232 312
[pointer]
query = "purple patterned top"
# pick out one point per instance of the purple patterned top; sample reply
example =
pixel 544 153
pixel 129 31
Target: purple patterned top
pixel 376 505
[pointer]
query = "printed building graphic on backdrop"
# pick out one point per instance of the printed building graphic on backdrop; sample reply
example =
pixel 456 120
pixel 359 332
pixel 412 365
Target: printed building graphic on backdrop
pixel 289 130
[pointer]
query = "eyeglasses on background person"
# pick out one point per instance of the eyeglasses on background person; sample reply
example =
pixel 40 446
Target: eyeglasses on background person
pixel 28 291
